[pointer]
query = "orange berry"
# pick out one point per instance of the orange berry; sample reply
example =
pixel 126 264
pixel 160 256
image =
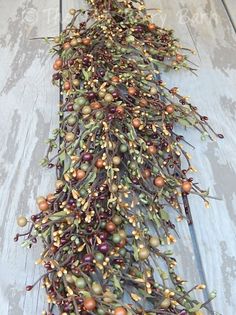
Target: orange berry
pixel 86 41
pixel 120 311
pixel 80 174
pixel 90 304
pixel 43 206
pixel 132 90
pixel 95 105
pixel 151 26
pixel 179 58
pixel 67 46
pixel 159 182
pixel 186 187
pixel 59 62
pixel 170 109
pixel 115 79
pixel 67 85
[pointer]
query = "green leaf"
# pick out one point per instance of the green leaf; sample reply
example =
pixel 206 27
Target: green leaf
pixel 195 308
pixel 184 122
pixel 117 283
pixel 86 74
pixel 58 215
pixel 164 215
pixel 135 252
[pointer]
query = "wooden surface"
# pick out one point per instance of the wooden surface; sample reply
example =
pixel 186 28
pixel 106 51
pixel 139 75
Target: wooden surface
pixel 28 103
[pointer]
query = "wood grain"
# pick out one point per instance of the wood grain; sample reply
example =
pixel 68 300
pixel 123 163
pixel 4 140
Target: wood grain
pixel 28 112
pixel 204 26
pixel 231 10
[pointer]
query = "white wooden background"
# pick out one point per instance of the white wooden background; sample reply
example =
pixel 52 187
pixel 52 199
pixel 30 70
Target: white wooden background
pixel 28 111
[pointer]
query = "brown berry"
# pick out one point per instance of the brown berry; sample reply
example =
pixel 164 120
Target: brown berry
pixel 110 227
pixel 152 149
pixel 120 110
pixel 100 163
pixel 146 173
pixel 143 102
pixel 80 174
pixel 186 187
pixel 136 122
pixel 120 311
pixel 159 182
pixel 90 304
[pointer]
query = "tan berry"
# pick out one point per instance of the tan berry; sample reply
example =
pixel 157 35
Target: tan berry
pixel 70 136
pixel 22 221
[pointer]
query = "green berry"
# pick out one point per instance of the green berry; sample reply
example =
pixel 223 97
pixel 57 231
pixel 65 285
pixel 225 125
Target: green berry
pixel 116 238
pixel 123 148
pixel 99 257
pixel 81 101
pixel 80 283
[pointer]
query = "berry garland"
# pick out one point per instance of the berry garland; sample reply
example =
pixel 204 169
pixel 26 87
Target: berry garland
pixel 118 163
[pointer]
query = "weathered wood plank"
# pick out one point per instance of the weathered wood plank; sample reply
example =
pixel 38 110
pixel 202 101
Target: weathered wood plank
pixel 231 10
pixel 28 111
pixel 214 40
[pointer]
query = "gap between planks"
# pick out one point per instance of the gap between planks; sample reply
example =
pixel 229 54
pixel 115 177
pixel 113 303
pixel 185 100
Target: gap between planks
pixel 231 18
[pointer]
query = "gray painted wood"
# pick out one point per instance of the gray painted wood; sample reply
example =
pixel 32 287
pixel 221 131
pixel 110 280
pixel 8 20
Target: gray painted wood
pixel 204 26
pixel 231 9
pixel 28 105
pixel 28 111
